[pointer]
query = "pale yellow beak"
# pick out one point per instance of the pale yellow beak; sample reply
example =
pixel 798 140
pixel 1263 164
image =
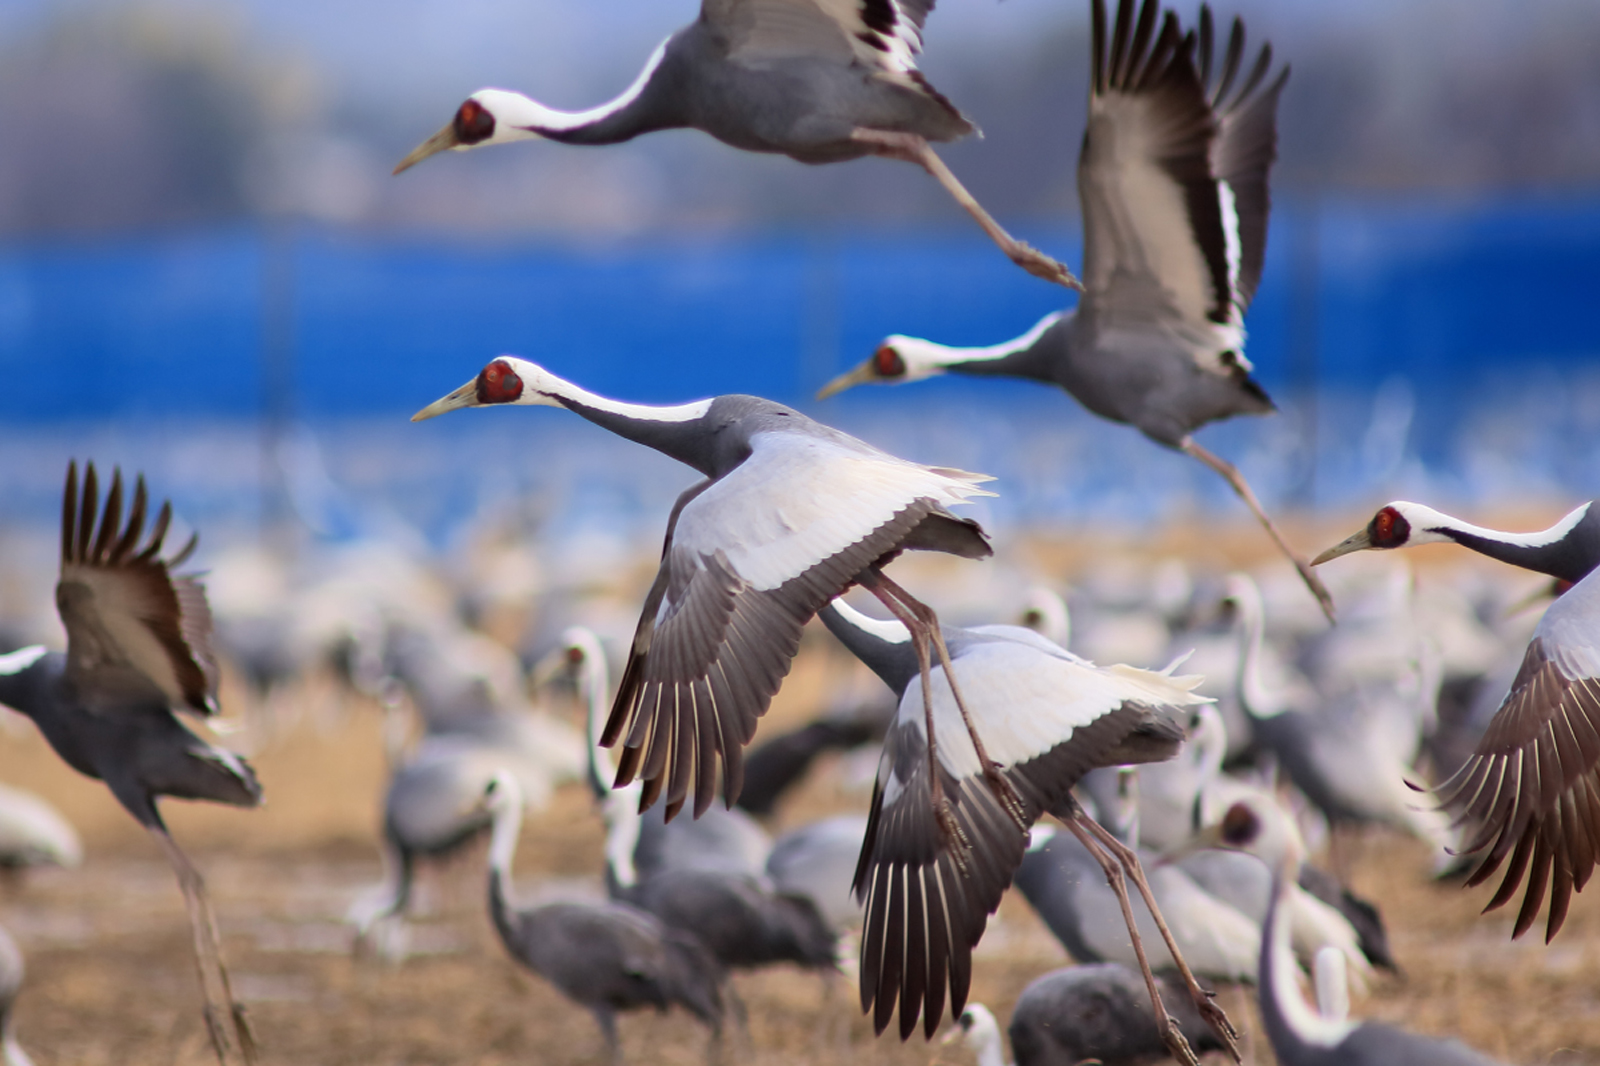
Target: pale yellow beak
pixel 442 141
pixel 859 376
pixel 1353 543
pixel 465 396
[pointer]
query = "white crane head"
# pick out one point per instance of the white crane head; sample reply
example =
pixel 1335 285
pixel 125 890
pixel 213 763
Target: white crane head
pixel 897 358
pixel 488 116
pixel 1258 826
pixel 979 1030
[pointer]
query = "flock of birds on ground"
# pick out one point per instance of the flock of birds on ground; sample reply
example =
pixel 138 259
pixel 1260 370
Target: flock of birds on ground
pixel 1196 776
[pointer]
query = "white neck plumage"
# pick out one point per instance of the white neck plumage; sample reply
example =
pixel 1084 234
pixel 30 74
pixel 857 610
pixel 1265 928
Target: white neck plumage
pixel 1427 524
pixel 1309 1026
pixel 503 839
pixel 541 388
pixel 984 1037
pixel 620 807
pixel 888 630
pixel 924 358
pixel 518 117
pixel 1253 695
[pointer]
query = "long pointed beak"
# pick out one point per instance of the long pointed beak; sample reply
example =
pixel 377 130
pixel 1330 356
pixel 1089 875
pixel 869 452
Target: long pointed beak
pixel 1353 543
pixel 859 376
pixel 465 396
pixel 547 669
pixel 444 140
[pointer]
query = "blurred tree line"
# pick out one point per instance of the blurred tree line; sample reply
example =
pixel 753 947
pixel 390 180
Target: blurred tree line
pixel 153 116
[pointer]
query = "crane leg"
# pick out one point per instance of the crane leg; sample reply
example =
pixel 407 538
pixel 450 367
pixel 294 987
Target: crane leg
pixel 924 616
pixel 910 148
pixel 1242 487
pixel 1084 827
pixel 880 586
pixel 230 1031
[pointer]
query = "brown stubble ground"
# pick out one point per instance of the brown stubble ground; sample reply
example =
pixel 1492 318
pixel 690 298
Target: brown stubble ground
pixel 111 977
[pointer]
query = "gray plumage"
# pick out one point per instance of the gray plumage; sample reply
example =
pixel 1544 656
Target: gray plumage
pixel 702 877
pixel 1099 1012
pixel 790 514
pixel 819 81
pixel 606 957
pixel 818 861
pixel 138 646
pixel 1173 179
pixel 1054 716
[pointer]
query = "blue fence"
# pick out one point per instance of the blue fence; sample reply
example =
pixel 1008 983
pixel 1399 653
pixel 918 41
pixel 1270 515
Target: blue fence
pixel 1460 339
pixel 231 323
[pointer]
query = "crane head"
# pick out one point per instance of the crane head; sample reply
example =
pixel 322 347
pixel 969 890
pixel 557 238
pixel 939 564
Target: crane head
pixel 485 117
pixel 896 359
pixel 502 381
pixel 1389 528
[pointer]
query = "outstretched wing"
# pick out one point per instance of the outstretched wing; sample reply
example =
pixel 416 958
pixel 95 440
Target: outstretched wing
pixel 1243 154
pixel 749 559
pixel 1048 719
pixel 1173 179
pixel 1531 791
pixel 134 631
pixel 882 34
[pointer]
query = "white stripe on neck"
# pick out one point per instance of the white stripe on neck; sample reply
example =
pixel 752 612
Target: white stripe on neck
pixel 540 386
pixel 928 357
pixel 17 661
pixel 1426 520
pixel 503 841
pixel 1306 1024
pixel 891 630
pixel 520 111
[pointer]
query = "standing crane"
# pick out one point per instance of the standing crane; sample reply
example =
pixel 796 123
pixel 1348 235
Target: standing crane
pixel 820 81
pixel 606 957
pixel 1531 789
pixel 1050 717
pixel 790 514
pixel 138 647
pixel 1173 183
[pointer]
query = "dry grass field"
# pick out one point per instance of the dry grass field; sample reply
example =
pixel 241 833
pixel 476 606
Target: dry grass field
pixel 111 982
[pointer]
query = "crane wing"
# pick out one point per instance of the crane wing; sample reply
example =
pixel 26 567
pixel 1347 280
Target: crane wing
pixel 883 34
pixel 134 631
pixel 1047 719
pixel 1155 243
pixel 749 559
pixel 1243 154
pixel 1532 788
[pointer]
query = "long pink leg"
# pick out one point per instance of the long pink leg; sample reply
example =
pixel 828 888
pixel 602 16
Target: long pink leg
pixel 911 148
pixel 230 1032
pixel 1242 487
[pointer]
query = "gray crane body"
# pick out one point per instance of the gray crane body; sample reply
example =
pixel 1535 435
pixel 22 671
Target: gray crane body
pixel 797 105
pixel 1134 369
pixel 139 749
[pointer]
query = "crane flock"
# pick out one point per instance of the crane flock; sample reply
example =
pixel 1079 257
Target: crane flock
pixel 991 726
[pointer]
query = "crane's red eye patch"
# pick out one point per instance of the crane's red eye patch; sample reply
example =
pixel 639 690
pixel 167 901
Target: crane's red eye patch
pixel 473 124
pixel 498 383
pixel 574 655
pixel 1388 529
pixel 1240 825
pixel 887 362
